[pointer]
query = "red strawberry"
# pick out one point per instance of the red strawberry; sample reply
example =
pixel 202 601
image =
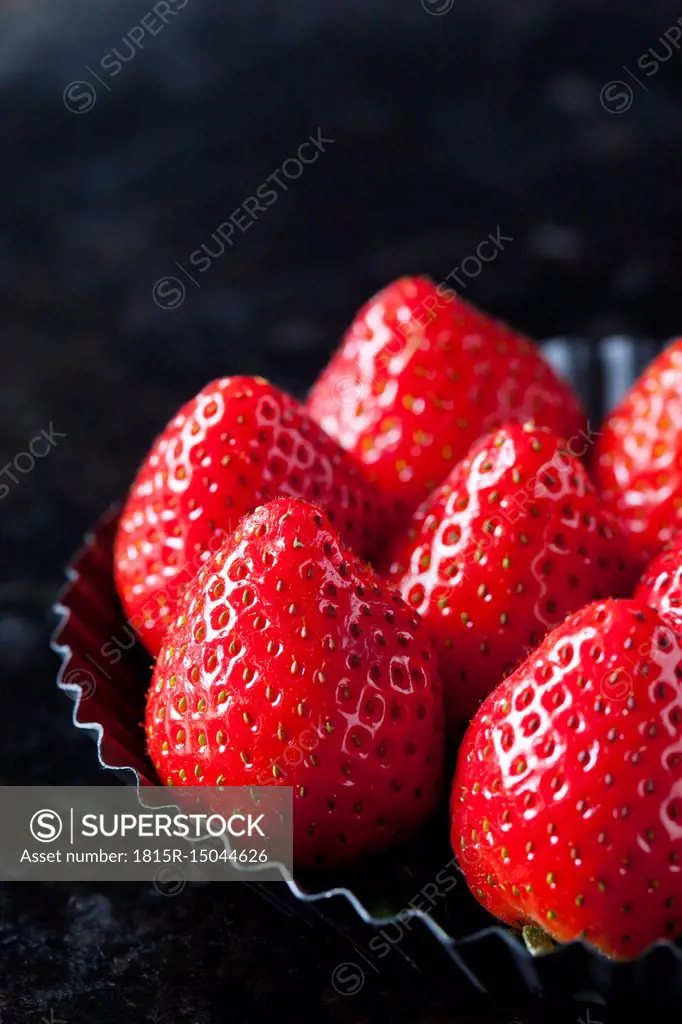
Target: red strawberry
pixel 567 799
pixel 510 544
pixel 238 443
pixel 661 584
pixel 420 376
pixel 292 665
pixel 638 458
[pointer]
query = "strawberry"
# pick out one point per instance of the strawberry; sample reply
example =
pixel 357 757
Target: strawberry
pixel 512 542
pixel 567 798
pixel 290 664
pixel 661 584
pixel 419 376
pixel 238 443
pixel 638 457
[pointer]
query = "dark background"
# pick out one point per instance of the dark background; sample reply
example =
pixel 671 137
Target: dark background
pixel 446 126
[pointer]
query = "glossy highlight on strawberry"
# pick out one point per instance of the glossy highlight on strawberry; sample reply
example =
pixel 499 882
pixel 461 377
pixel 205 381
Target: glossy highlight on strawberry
pixel 513 541
pixel 661 584
pixel 291 664
pixel 238 443
pixel 419 376
pixel 567 798
pixel 638 459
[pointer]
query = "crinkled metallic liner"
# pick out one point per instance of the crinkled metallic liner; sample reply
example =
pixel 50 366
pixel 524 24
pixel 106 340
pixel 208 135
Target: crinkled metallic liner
pixel 524 961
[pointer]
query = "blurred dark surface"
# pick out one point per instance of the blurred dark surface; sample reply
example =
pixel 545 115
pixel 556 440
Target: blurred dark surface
pixel 446 126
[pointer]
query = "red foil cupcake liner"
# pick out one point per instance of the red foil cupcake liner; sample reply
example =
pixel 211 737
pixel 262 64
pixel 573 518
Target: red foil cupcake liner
pixel 103 679
pixel 386 907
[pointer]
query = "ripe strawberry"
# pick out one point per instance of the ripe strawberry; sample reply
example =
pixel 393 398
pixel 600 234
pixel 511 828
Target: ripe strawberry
pixel 512 542
pixel 661 584
pixel 567 798
pixel 420 376
pixel 291 665
pixel 638 458
pixel 237 444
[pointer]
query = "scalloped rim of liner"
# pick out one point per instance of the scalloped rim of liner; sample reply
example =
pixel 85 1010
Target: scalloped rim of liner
pixel 522 956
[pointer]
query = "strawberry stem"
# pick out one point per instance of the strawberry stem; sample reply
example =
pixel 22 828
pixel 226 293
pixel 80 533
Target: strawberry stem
pixel 537 940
